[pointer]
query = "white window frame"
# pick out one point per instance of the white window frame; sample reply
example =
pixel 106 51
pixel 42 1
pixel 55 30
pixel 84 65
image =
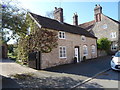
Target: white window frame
pixel 93 49
pixel 83 37
pixel 64 53
pixel 114 46
pixel 85 50
pixel 113 35
pixel 63 36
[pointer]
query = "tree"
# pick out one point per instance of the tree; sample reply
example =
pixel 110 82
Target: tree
pixel 104 44
pixel 13 20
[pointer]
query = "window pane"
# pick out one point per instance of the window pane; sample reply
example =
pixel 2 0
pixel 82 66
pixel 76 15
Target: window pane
pixel 85 51
pixel 59 34
pixel 62 52
pixel 63 35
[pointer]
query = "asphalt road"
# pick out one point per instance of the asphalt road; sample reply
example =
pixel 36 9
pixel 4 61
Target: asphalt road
pixel 8 83
pixel 88 68
pixel 109 79
pixel 84 70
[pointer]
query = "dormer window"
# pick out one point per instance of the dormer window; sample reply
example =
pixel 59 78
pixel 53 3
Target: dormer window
pixel 83 38
pixel 61 35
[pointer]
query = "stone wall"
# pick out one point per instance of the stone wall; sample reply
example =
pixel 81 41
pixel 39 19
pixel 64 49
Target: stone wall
pixel 105 27
pixel 101 53
pixel 52 59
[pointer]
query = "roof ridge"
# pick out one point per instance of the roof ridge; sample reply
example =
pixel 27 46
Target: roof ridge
pixel 49 23
pixel 87 22
pixel 44 16
pixel 112 19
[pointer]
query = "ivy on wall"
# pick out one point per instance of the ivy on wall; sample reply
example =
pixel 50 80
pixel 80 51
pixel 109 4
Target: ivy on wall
pixel 39 39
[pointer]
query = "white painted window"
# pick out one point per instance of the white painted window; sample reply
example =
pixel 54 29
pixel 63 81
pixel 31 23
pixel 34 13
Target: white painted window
pixel 83 38
pixel 93 48
pixel 114 46
pixel 61 35
pixel 85 50
pixel 113 35
pixel 62 52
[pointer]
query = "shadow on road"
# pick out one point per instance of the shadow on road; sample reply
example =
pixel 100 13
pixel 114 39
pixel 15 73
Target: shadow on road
pixel 6 60
pixel 8 83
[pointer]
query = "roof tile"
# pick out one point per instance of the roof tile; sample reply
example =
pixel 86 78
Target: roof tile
pixel 59 26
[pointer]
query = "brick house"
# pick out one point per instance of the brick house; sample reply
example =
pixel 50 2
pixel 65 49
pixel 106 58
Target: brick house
pixel 73 41
pixel 104 26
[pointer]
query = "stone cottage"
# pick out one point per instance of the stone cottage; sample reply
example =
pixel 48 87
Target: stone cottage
pixel 104 26
pixel 73 41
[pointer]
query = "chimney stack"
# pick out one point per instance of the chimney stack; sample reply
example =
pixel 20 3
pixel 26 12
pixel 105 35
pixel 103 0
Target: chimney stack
pixel 75 19
pixel 97 12
pixel 58 14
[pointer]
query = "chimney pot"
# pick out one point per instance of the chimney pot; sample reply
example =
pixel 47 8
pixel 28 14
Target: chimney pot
pixel 97 13
pixel 58 14
pixel 75 19
pixel 55 8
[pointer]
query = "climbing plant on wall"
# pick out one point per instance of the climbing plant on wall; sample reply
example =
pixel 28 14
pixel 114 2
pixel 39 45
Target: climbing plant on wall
pixel 39 39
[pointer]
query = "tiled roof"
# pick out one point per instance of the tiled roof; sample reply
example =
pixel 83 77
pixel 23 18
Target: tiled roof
pixel 59 26
pixel 87 25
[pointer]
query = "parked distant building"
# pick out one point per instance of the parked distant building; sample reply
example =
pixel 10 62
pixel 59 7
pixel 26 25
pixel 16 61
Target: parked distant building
pixel 73 41
pixel 104 26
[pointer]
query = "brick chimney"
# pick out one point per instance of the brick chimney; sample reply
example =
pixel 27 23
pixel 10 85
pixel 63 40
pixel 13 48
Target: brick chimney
pixel 75 19
pixel 58 14
pixel 97 13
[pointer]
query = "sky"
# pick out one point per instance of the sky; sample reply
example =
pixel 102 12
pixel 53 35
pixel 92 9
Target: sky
pixel 84 9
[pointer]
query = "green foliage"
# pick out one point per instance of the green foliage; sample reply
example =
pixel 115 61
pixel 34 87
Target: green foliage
pixel 13 20
pixel 10 48
pixel 39 39
pixel 104 44
pixel 12 51
pixel 23 50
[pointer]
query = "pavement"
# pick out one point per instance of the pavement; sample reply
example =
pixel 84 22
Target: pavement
pixel 109 79
pixel 78 72
pixel 9 68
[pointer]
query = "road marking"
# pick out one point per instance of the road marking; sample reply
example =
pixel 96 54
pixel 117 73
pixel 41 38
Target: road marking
pixel 87 80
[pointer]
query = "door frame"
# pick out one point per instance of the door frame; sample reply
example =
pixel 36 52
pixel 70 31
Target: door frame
pixel 79 53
